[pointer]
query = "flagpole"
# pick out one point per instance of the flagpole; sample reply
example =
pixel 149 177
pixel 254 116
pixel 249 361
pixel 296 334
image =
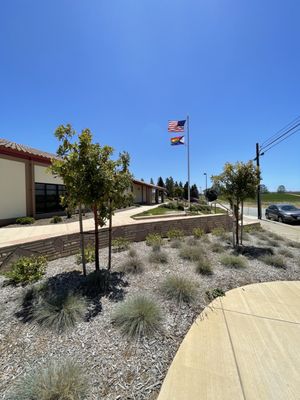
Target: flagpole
pixel 188 158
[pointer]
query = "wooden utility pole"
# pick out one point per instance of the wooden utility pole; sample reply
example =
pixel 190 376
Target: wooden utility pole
pixel 258 186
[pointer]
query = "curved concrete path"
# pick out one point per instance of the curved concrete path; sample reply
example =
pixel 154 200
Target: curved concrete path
pixel 245 345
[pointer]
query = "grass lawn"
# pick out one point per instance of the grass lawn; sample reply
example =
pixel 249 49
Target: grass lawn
pixel 160 210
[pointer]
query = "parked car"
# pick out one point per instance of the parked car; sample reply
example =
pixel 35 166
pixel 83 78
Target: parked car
pixel 283 213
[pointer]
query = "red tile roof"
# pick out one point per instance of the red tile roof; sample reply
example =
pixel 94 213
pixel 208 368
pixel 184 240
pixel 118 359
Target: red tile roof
pixel 24 150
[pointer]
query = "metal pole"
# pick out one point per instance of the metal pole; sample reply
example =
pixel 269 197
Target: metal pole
pixel 82 241
pixel 258 186
pixel 188 158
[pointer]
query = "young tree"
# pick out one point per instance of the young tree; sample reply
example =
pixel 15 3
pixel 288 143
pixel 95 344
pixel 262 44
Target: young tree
pixel 236 183
pixel 281 189
pixel 83 165
pixel 264 189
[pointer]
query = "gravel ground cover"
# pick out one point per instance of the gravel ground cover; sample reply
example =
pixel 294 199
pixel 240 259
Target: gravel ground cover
pixel 117 367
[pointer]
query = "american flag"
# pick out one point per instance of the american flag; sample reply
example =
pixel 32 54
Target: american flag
pixel 176 126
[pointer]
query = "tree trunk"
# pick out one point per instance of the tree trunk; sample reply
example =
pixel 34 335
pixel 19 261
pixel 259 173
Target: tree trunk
pixel 109 235
pixel 236 206
pixel 97 266
pixel 82 241
pixel 242 221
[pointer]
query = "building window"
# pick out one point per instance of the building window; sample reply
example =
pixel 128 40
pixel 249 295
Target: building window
pixel 47 197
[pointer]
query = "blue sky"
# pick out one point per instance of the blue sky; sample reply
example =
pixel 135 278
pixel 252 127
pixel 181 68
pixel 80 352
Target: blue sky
pixel 124 67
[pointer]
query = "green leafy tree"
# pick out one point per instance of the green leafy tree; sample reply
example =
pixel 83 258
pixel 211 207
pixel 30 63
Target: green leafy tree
pixel 264 189
pixel 185 190
pixel 85 170
pixel 170 186
pixel 236 183
pixel 281 189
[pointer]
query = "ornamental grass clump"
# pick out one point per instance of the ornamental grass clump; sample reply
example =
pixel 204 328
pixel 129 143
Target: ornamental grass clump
pixel 59 312
pixel 286 253
pixel 120 244
pixel 176 243
pixel 217 248
pixel 295 245
pixel 204 266
pixel 133 264
pixel 138 317
pixel 60 380
pixel 56 219
pixel 158 256
pixel 192 253
pixel 274 261
pixel 179 288
pixel 233 261
pixel 175 234
pixel 27 269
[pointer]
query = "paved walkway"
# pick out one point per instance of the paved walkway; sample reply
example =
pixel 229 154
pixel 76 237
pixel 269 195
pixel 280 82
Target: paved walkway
pixel 244 346
pixel 291 232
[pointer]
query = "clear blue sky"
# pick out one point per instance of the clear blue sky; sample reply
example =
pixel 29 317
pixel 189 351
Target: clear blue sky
pixel 124 67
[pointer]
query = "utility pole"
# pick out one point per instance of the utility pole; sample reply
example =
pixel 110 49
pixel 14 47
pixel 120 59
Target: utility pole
pixel 258 186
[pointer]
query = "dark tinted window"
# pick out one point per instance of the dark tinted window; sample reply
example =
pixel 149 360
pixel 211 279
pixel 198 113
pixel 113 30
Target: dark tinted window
pixel 288 208
pixel 47 197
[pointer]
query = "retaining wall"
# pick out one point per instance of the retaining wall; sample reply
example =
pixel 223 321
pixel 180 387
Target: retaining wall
pixel 66 245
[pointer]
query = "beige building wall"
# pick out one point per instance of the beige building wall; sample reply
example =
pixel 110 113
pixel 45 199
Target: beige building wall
pixel 42 175
pixel 12 189
pixel 137 192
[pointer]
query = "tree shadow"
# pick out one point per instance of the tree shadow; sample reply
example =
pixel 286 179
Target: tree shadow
pixel 93 287
pixel 254 252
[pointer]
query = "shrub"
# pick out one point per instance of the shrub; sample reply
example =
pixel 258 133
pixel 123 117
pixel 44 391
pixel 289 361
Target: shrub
pixel 25 220
pixel 233 261
pixel 158 257
pixel 60 380
pixel 89 253
pixel 179 288
pixel 217 248
pixel 192 253
pixel 133 265
pixel 191 241
pixel 204 266
pixel 59 313
pixel 154 239
pixel 132 253
pixel 198 233
pixel 176 243
pixel 137 317
pixel 27 269
pixel 175 234
pixel 120 244
pixel 286 253
pixel 275 261
pixel 218 232
pixel 293 244
pixel 214 293
pixel 272 242
pixel 56 219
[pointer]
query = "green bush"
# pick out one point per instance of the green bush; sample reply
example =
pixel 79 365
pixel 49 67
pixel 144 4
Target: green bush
pixel 218 232
pixel 179 288
pixel 120 244
pixel 25 220
pixel 56 220
pixel 60 380
pixel 158 257
pixel 192 253
pixel 275 261
pixel 137 317
pixel 27 269
pixel 89 253
pixel 175 234
pixel 154 239
pixel 214 293
pixel 233 261
pixel 191 241
pixel 59 313
pixel 198 233
pixel 204 266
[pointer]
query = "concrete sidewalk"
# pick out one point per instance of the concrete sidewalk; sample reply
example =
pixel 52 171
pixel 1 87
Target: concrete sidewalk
pixel 245 345
pixel 290 232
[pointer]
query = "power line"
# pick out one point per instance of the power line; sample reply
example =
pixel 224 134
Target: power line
pixel 280 130
pixel 275 144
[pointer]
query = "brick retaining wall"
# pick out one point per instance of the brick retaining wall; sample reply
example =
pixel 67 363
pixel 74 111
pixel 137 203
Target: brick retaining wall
pixel 66 245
